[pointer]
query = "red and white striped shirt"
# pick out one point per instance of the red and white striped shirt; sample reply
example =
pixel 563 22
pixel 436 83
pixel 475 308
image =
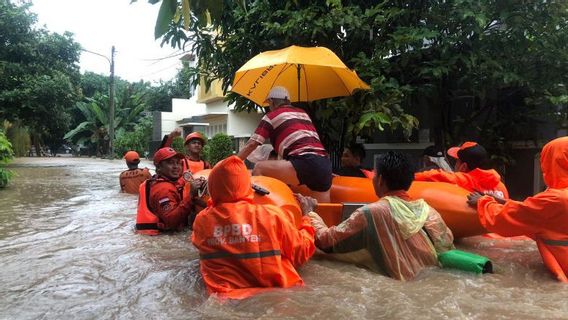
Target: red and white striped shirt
pixel 291 132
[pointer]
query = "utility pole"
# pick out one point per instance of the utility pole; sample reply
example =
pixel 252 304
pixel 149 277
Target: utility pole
pixel 111 99
pixel 111 106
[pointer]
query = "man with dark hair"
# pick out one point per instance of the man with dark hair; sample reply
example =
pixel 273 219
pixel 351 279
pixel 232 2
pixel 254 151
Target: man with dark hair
pixel 433 158
pixel 161 203
pixel 194 143
pixel 351 160
pixel 469 174
pixel 396 235
pixel 304 160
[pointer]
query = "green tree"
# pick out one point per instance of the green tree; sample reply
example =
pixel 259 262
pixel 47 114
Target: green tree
pixel 177 14
pixel 137 139
pixel 159 98
pixel 94 83
pixel 39 75
pixel 475 69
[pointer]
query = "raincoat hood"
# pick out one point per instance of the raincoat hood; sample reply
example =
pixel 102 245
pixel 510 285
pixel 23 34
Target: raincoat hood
pixel 409 215
pixel 485 179
pixel 554 163
pixel 229 181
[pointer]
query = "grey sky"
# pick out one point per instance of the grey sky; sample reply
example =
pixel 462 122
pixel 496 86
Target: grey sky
pixel 99 24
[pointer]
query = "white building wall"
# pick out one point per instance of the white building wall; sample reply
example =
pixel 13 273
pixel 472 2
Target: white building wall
pixel 187 108
pixel 181 108
pixel 168 123
pixel 218 115
pixel 242 124
pixel 218 107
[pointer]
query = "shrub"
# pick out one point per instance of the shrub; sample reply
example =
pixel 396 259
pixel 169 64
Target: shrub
pixel 177 144
pixel 5 176
pixel 218 148
pixel 6 154
pixel 20 139
pixel 137 140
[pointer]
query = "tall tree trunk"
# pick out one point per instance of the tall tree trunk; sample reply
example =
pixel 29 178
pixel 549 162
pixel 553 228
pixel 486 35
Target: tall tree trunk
pixel 36 142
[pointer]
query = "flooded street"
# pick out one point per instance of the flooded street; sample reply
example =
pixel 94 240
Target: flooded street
pixel 68 251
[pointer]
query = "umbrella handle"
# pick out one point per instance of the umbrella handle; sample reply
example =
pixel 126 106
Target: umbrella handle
pixel 298 67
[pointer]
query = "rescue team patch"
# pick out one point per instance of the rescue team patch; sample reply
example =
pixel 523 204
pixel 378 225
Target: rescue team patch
pixel 164 204
pixel 232 234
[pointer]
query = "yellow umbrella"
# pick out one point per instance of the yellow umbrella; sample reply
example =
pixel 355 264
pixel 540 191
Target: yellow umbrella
pixel 308 73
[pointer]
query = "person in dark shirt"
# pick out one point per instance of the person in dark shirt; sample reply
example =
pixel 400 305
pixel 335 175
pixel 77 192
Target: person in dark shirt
pixel 433 158
pixel 351 160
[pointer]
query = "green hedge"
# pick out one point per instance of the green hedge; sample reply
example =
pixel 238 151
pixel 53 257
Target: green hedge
pixel 218 148
pixel 6 154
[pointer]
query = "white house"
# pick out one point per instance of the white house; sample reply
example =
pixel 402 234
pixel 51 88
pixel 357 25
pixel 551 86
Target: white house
pixel 206 112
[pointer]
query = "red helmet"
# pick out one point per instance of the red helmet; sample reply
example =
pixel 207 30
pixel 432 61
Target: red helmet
pixel 194 135
pixel 166 153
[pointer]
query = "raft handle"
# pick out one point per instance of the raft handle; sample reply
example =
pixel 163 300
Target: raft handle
pixel 259 190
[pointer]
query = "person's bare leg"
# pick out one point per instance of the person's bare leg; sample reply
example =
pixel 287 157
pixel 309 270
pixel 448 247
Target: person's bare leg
pixel 280 169
pixel 284 171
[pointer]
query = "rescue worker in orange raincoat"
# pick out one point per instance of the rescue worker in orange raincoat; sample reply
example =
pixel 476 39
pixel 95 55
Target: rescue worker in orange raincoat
pixel 246 247
pixel 131 179
pixel 396 235
pixel 194 143
pixel 470 158
pixel 161 205
pixel 542 217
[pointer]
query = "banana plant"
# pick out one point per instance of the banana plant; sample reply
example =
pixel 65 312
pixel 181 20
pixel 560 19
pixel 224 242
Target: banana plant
pixel 95 127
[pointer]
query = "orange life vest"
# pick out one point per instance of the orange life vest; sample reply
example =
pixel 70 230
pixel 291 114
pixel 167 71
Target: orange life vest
pixel 193 166
pixel 146 221
pixel 131 179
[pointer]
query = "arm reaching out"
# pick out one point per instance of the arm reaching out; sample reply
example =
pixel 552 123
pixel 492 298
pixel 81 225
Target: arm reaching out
pixel 247 149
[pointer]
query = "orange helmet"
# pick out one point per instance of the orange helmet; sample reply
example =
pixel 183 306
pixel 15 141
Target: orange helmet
pixel 132 157
pixel 194 135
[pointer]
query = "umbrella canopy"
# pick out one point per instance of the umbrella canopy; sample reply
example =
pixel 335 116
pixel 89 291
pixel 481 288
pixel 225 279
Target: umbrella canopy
pixel 308 73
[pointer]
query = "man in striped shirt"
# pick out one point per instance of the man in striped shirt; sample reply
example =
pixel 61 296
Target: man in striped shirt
pixel 294 137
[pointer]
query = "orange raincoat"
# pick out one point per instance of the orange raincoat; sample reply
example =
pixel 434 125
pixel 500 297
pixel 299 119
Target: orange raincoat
pixel 543 217
pixel 488 181
pixel 246 247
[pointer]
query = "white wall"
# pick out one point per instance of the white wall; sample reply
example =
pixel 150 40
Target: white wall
pixel 218 106
pixel 220 117
pixel 242 124
pixel 187 108
pixel 181 108
pixel 168 123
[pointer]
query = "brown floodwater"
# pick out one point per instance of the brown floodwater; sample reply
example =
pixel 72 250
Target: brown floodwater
pixel 68 251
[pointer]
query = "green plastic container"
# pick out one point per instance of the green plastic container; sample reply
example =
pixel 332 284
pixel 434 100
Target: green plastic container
pixel 466 261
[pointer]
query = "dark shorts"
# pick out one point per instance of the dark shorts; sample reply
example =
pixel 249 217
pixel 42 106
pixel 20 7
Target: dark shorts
pixel 312 170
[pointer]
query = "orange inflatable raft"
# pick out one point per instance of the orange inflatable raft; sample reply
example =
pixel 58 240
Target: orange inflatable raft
pixel 349 193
